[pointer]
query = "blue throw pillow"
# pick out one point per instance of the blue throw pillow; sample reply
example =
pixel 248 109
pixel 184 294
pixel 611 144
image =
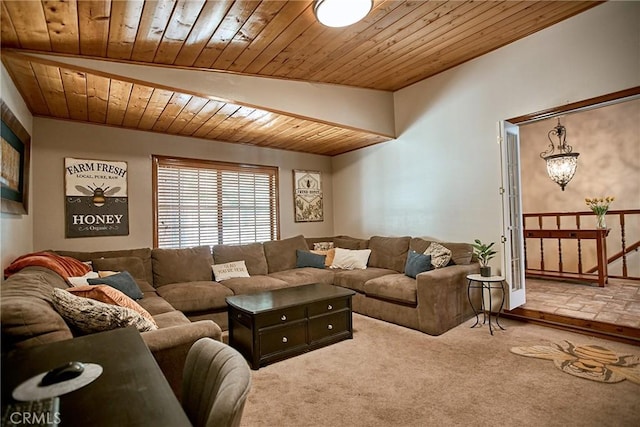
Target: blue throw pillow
pixel 309 259
pixel 123 281
pixel 416 264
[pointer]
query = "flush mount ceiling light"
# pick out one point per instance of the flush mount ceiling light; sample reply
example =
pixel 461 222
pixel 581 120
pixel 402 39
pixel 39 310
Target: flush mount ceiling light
pixel 561 166
pixel 340 13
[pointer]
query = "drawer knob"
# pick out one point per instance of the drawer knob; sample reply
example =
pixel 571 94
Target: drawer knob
pixel 284 339
pixel 239 316
pixel 283 318
pixel 330 326
pixel 329 307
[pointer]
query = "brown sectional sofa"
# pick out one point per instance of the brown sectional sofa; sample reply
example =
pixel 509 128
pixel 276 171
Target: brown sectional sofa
pixel 187 304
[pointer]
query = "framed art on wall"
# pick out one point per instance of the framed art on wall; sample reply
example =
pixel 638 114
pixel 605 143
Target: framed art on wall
pixel 16 154
pixel 96 201
pixel 307 196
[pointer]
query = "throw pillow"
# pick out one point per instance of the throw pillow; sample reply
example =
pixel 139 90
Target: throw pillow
pixel 109 295
pixel 82 280
pixel 90 316
pixel 309 259
pixel 416 264
pixel 322 246
pixel 229 270
pixel 440 256
pixel 351 259
pixel 123 282
pixel 107 273
pixel 330 254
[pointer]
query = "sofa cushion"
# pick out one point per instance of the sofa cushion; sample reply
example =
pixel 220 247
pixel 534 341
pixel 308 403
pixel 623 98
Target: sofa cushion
pixel 253 284
pixel 281 254
pixel 461 253
pixel 329 255
pixel 133 265
pixel 143 253
pixel 109 295
pixel 389 252
pixel 309 259
pixel 121 281
pixel 229 270
pixel 26 312
pixel 394 287
pixel 416 264
pixel 89 316
pixel 347 242
pixel 195 296
pixel 170 319
pixel 351 259
pixel 181 265
pixel 440 255
pixel 355 279
pixel 305 276
pixel 155 304
pixel 252 255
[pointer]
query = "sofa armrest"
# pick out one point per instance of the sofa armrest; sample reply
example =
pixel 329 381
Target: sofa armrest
pixel 170 346
pixel 442 298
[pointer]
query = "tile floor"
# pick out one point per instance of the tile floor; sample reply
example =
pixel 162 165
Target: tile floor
pixel 617 303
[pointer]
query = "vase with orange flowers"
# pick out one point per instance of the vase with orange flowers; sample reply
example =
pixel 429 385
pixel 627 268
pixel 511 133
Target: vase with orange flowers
pixel 600 207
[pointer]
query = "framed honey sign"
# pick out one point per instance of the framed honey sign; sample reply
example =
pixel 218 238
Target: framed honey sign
pixel 96 201
pixel 307 197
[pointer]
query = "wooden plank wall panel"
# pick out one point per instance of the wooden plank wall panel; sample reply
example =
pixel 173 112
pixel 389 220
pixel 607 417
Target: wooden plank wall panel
pixel 25 80
pixel 8 33
pixel 50 82
pixel 184 16
pixel 98 97
pixel 27 18
pixel 155 18
pixel 211 16
pixel 93 27
pixel 123 28
pixel 75 86
pixel 62 22
pixel 138 102
pixel 188 113
pixel 226 31
pixel 119 94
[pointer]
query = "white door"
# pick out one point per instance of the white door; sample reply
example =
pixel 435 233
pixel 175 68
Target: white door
pixel 513 240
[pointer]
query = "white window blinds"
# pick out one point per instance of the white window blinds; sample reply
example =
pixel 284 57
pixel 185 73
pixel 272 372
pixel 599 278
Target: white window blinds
pixel 207 203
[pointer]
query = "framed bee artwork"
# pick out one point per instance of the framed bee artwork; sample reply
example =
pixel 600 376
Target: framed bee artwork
pixel 96 201
pixel 307 196
pixel 14 171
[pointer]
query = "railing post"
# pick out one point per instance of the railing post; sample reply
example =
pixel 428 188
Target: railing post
pixel 579 245
pixel 625 273
pixel 560 268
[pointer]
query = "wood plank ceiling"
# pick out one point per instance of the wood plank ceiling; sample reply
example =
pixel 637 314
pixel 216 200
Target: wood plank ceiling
pixel 396 45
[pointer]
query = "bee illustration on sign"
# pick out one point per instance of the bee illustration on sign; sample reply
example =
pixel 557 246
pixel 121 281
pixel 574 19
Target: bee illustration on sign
pixel 98 193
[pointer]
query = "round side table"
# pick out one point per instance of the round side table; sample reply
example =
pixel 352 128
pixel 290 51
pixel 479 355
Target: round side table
pixel 476 281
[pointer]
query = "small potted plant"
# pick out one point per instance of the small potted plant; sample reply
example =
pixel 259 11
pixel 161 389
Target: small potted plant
pixel 484 253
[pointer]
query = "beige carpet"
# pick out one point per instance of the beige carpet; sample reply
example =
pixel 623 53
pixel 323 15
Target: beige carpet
pixel 393 376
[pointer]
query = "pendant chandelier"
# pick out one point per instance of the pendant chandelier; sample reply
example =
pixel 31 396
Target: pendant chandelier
pixel 341 13
pixel 561 166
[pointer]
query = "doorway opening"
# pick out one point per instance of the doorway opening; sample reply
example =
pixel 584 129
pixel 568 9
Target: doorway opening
pixel 605 130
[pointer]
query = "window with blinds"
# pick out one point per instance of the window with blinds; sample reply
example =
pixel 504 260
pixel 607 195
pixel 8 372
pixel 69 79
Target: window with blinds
pixel 199 202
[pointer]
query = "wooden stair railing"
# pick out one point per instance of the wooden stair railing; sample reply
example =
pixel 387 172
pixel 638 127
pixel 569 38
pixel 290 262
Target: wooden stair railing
pixel 598 273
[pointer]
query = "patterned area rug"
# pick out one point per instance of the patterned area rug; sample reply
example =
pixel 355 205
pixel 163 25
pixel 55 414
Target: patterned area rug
pixel 592 362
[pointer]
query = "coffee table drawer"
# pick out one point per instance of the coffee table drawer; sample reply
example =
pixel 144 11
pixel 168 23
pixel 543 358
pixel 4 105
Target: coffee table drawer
pixel 328 325
pixel 280 317
pixel 328 306
pixel 282 339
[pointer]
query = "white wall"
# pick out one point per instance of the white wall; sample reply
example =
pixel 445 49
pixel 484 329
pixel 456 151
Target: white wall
pixel 55 139
pixel 16 230
pixel 441 176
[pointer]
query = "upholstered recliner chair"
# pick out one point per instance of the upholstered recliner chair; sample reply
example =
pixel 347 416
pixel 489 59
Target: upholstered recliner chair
pixel 216 383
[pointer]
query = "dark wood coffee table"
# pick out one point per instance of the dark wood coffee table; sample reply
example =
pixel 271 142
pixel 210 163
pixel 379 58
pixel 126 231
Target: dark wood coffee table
pixel 270 326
